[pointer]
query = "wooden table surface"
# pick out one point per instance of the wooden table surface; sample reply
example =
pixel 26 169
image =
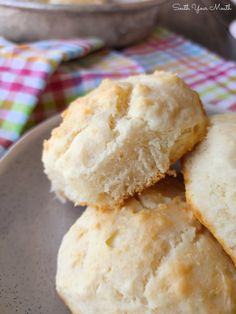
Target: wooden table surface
pixel 208 28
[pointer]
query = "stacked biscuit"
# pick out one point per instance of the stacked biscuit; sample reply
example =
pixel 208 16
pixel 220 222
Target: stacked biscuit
pixel 138 247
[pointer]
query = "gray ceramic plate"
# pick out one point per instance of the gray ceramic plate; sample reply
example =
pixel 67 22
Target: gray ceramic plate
pixel 32 223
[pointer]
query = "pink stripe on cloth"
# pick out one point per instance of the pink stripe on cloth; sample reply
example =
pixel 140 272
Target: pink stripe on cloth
pixel 19 87
pixel 22 72
pixel 217 73
pixel 3 113
pixel 233 107
pixel 153 44
pixel 5 143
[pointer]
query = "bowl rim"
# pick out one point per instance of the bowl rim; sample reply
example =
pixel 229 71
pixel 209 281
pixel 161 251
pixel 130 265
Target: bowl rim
pixel 108 7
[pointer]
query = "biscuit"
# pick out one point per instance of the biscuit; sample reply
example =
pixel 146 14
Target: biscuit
pixel 210 177
pixel 151 256
pixel 122 138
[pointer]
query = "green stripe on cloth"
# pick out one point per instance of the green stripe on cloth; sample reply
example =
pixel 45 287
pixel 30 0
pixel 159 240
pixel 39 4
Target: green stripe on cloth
pixel 19 107
pixel 207 90
pixel 10 126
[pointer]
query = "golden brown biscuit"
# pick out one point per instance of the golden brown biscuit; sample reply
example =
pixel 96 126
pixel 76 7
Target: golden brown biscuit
pixel 210 177
pixel 122 138
pixel 150 257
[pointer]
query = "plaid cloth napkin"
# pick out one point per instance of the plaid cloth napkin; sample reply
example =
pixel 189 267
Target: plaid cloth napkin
pixel 39 79
pixel 211 76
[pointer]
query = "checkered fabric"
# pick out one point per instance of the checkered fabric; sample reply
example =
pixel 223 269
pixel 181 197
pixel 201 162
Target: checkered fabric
pixel 39 79
pixel 211 76
pixel 76 78
pixel 24 73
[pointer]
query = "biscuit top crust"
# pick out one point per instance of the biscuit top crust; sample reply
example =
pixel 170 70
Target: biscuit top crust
pixel 151 256
pixel 155 99
pixel 122 137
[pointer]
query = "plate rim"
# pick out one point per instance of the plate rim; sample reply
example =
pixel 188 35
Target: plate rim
pixel 24 139
pixel 76 8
